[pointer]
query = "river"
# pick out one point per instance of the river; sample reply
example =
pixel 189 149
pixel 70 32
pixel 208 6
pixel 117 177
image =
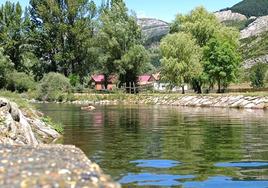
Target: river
pixel 161 146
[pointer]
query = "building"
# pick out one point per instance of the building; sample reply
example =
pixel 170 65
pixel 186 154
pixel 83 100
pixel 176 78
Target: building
pixel 146 80
pixel 98 82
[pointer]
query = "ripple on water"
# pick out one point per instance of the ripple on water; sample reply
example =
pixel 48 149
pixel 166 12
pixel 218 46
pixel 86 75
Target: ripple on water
pixel 151 179
pixel 246 164
pixel 227 182
pixel 156 163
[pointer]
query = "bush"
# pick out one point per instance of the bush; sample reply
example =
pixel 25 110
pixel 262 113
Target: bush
pixel 20 82
pixel 257 75
pixel 54 87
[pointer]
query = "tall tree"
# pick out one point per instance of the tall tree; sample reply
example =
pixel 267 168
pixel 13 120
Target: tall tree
pixel 221 58
pixel 117 34
pixel 64 34
pixel 13 33
pixel 181 59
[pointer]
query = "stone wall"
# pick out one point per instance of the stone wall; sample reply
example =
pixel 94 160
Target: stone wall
pixel 220 101
pixel 211 101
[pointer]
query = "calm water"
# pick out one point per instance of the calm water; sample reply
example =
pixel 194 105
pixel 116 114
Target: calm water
pixel 158 146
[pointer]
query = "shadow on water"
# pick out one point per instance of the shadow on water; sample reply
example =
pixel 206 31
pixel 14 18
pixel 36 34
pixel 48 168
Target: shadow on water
pixel 162 146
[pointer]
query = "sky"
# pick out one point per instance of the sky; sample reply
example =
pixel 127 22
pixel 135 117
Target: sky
pixel 163 9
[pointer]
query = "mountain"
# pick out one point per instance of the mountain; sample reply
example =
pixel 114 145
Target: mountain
pixel 257 27
pixel 153 30
pixel 251 8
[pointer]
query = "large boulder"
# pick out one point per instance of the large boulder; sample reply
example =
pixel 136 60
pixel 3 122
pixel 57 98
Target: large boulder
pixel 16 127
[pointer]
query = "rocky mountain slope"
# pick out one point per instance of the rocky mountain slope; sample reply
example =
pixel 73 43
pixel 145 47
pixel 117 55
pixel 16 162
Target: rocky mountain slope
pixel 229 15
pixel 153 29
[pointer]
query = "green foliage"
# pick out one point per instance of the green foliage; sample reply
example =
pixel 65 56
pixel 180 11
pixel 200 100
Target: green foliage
pixel 6 68
pixel 53 87
pixel 63 35
pixel 74 79
pixel 118 33
pixel 257 75
pixel 221 58
pixel 56 126
pixel 13 32
pixel 251 7
pixel 200 23
pixel 134 62
pixel 181 58
pixel 20 82
pixel 255 46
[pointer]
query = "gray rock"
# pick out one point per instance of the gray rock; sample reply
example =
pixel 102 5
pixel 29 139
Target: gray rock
pixel 251 62
pixel 257 27
pixel 14 111
pixel 229 16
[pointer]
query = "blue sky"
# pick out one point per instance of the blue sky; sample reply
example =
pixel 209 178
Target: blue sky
pixel 164 9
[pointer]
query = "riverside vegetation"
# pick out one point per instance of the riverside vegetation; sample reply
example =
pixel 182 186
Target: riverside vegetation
pixel 76 39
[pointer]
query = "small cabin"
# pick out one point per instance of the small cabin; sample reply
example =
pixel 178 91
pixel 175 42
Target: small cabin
pixel 98 82
pixel 145 80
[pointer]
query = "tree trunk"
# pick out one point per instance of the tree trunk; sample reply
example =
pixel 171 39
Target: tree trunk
pixel 183 90
pixel 106 77
pixel 219 86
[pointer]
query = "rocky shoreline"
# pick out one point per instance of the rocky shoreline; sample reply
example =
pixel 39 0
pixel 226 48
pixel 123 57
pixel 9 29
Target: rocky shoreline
pixel 219 101
pixel 25 160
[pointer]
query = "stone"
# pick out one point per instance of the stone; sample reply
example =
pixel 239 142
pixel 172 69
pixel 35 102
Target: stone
pixel 228 15
pixel 14 111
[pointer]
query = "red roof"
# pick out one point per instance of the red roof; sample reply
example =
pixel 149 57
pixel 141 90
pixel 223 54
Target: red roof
pixel 144 78
pixel 100 78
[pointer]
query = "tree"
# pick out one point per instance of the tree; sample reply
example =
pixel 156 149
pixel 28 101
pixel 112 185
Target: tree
pixel 118 33
pixel 257 75
pixel 202 25
pixel 221 58
pixel 13 29
pixel 64 35
pixel 6 67
pixel 181 59
pixel 133 63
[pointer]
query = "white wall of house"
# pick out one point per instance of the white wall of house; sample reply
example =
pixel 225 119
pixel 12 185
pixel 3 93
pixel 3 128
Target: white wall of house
pixel 158 86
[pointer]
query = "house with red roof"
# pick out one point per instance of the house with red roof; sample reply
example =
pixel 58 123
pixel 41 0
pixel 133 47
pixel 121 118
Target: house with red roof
pixel 98 82
pixel 146 79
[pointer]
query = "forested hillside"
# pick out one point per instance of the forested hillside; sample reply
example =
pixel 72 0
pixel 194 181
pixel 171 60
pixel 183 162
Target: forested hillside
pixel 251 8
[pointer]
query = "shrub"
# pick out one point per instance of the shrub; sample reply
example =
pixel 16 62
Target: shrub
pixel 53 87
pixel 20 82
pixel 257 75
pixel 74 80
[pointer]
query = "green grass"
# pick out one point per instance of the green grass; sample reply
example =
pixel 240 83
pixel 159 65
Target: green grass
pixel 19 99
pixel 56 126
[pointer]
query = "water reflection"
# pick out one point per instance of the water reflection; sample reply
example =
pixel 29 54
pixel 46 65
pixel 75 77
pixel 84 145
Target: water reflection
pixel 150 179
pixel 156 163
pixel 204 140
pixel 243 164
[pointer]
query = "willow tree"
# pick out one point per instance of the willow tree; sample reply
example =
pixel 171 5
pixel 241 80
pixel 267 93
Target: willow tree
pixel 222 58
pixel 181 59
pixel 118 33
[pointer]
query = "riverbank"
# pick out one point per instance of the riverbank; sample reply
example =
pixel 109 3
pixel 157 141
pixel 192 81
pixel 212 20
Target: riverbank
pixel 26 162
pixel 247 101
